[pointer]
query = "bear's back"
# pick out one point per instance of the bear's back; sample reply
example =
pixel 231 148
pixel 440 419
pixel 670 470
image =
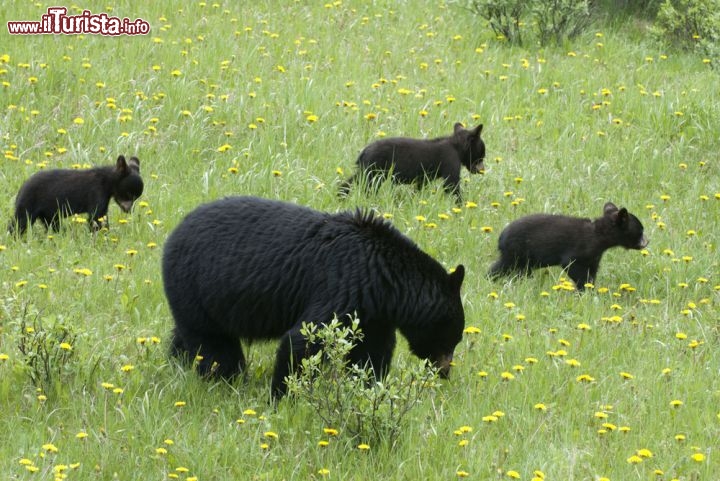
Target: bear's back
pixel 277 263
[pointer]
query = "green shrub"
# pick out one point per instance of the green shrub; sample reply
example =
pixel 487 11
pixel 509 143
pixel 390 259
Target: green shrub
pixel 558 20
pixel 347 396
pixel 553 20
pixel 46 350
pixel 691 25
pixel 503 16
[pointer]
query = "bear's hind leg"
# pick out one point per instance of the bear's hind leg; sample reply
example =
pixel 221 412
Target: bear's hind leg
pixel 290 353
pixel 18 224
pixel 507 265
pixel 216 355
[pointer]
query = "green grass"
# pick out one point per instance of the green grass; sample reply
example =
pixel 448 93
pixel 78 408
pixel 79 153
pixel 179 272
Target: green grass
pixel 611 116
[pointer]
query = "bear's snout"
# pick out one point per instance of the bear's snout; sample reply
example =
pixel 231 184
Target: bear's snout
pixel 644 241
pixel 125 205
pixel 478 168
pixel 442 363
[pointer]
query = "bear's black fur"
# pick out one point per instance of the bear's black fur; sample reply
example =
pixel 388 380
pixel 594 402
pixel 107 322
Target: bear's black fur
pixel 409 161
pixel 50 195
pixel 576 244
pixel 245 268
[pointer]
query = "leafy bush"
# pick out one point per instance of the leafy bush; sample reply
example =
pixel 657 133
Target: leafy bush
pixel 691 25
pixel 503 16
pixel 47 351
pixel 347 396
pixel 557 20
pixel 553 20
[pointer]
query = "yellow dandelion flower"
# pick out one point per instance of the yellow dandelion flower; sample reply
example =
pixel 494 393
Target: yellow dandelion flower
pixel 698 457
pixel 644 453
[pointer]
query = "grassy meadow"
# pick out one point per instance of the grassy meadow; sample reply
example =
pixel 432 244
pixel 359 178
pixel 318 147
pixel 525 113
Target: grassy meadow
pixel 276 99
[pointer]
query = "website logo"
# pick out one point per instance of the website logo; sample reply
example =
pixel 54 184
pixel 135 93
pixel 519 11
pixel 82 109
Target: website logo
pixel 58 22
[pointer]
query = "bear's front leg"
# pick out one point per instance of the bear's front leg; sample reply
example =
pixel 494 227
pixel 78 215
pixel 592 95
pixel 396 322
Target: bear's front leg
pixel 452 186
pixel 377 351
pixel 580 273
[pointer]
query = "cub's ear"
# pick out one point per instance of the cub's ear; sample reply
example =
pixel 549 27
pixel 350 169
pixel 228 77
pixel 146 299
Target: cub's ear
pixel 457 276
pixel 622 216
pixel 121 165
pixel 609 208
pixel 134 162
pixel 477 130
pixel 458 127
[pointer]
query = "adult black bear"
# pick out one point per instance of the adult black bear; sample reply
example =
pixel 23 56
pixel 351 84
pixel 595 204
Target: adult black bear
pixel 576 244
pixel 253 269
pixel 416 161
pixel 52 194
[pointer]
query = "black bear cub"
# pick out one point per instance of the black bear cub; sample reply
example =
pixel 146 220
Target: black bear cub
pixel 245 268
pixel 576 244
pixel 50 195
pixel 415 161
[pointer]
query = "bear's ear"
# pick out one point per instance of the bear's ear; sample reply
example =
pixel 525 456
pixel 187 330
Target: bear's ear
pixel 609 208
pixel 458 127
pixel 477 130
pixel 622 216
pixel 457 276
pixel 121 164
